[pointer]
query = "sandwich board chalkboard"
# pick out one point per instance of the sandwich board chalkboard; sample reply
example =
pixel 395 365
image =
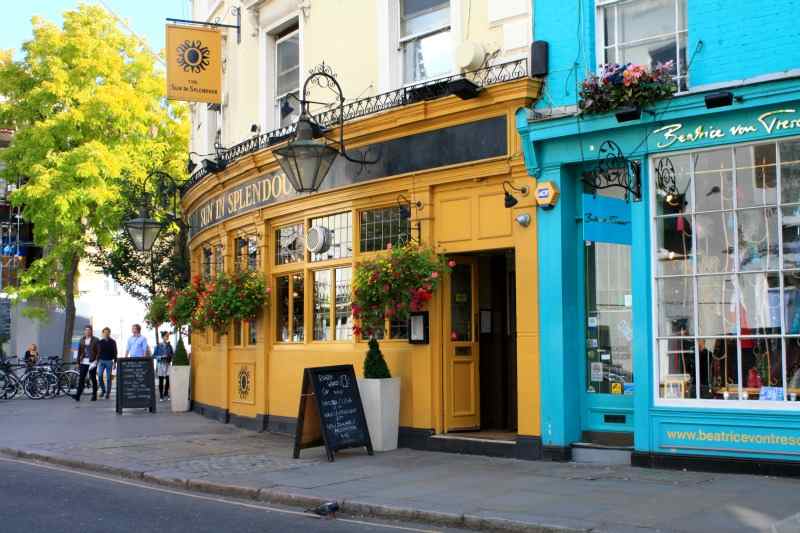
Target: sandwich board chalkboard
pixel 136 387
pixel 331 412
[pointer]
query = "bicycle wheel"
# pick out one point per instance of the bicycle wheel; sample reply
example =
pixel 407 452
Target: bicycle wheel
pixel 34 385
pixel 11 387
pixel 52 382
pixel 68 382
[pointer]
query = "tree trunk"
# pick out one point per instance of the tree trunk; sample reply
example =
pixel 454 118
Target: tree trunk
pixel 69 306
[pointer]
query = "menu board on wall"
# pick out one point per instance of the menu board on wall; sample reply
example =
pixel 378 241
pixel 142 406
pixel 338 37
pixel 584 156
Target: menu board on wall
pixel 136 388
pixel 331 413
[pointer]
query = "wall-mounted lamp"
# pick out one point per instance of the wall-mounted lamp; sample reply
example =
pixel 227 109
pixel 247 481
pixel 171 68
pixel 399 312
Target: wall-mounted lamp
pixel 404 206
pixel 523 220
pixel 509 199
pixel 721 99
pixel 212 166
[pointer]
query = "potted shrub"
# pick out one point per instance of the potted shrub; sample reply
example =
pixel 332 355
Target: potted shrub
pixel 626 89
pixel 386 288
pixel 180 376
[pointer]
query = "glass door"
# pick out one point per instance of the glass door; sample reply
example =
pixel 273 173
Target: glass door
pixel 608 372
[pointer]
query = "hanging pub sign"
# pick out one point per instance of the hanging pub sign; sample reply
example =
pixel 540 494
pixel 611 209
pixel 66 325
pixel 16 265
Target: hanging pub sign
pixel 331 413
pixel 194 64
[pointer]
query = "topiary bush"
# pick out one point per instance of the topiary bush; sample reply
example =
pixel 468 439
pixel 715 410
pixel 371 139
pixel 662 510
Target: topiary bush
pixel 180 358
pixel 375 366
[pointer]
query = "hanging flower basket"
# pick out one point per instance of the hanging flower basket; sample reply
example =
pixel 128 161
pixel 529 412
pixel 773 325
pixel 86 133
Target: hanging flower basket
pixel 238 296
pixel 182 305
pixel 393 285
pixel 626 86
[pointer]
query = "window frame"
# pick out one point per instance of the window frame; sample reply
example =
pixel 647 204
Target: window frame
pixel 782 337
pixel 278 97
pixel 290 307
pixel 402 41
pixel 600 34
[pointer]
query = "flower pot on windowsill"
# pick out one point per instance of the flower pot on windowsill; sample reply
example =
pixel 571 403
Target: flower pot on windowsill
pixel 628 113
pixel 381 399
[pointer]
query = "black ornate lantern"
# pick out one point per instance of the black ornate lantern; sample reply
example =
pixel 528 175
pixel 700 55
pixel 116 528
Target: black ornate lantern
pixel 143 230
pixel 306 159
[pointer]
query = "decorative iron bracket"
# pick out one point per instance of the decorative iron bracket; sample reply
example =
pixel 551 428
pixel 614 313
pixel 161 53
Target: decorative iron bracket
pixel 235 11
pixel 666 182
pixel 613 169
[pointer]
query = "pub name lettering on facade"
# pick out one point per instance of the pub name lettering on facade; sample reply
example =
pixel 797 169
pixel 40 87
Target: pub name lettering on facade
pixel 265 190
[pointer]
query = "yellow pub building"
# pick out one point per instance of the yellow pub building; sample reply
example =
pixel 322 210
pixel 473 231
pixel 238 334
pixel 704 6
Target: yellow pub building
pixel 449 173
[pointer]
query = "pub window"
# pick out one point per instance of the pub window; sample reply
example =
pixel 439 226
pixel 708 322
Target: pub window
pixel 290 291
pixel 398 330
pixel 336 233
pixel 425 39
pixel 645 32
pixel 219 260
pixel 289 246
pixel 246 252
pixel 333 319
pixel 206 263
pixel 379 227
pixel 252 332
pixel 727 275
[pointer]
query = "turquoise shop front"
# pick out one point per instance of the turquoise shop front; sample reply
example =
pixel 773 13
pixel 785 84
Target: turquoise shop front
pixel 670 269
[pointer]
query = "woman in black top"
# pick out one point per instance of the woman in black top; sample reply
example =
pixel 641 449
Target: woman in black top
pixel 108 355
pixel 31 355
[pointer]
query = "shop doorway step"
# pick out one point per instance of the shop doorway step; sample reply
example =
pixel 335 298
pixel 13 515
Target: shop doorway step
pixel 589 452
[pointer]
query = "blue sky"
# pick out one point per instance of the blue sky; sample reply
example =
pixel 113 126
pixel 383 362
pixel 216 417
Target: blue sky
pixel 145 17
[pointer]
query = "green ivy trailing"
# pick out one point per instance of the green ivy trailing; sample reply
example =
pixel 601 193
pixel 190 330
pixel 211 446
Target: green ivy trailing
pixel 157 313
pixel 375 366
pixel 181 358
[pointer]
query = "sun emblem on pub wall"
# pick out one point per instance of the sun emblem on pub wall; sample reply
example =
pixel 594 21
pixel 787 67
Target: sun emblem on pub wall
pixel 244 383
pixel 193 56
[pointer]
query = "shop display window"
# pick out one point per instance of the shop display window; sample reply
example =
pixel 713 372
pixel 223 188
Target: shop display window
pixel 333 319
pixel 727 273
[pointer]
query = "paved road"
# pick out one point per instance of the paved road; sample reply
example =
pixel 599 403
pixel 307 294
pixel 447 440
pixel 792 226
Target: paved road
pixel 36 498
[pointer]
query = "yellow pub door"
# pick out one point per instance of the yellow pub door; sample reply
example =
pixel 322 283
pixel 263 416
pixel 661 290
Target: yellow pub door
pixel 461 347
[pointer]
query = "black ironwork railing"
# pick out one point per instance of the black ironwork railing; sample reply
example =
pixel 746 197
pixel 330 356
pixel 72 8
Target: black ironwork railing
pixel 429 90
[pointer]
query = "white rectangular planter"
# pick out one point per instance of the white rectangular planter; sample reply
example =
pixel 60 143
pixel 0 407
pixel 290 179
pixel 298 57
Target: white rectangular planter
pixel 179 388
pixel 381 399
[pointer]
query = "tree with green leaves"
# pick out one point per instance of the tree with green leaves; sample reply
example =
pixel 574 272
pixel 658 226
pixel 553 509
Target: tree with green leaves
pixel 91 120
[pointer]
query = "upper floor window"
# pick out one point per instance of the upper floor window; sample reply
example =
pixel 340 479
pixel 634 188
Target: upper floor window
pixel 644 32
pixel 425 39
pixel 287 77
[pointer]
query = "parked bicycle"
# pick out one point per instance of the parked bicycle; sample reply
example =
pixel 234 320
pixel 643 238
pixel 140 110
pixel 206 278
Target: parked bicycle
pixel 44 380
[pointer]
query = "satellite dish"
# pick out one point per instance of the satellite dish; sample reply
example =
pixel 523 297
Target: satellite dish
pixel 318 240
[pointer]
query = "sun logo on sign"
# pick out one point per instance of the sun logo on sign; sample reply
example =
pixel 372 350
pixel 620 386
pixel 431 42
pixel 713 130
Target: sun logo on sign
pixel 192 55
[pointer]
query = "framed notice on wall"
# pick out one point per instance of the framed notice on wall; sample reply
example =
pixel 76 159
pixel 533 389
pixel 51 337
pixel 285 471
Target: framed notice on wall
pixel 418 328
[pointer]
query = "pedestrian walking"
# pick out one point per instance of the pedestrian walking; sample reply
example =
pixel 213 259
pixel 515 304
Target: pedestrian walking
pixel 108 356
pixel 88 353
pixel 163 355
pixel 137 344
pixel 31 355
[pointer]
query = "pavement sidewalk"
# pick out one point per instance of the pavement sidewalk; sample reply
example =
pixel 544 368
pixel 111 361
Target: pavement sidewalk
pixel 189 451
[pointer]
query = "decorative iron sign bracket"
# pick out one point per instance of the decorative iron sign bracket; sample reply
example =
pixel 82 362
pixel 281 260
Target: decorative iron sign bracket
pixel 613 169
pixel 235 11
pixel 667 184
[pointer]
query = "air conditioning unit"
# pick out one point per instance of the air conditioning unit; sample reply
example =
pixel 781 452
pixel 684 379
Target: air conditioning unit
pixel 318 240
pixel 469 55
